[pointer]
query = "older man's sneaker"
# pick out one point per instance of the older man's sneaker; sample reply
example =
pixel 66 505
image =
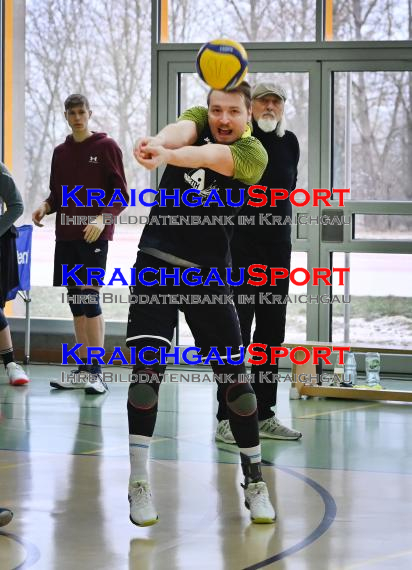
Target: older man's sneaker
pixel 16 374
pixel 142 510
pixel 224 433
pixel 258 502
pixel 95 384
pixel 273 429
pixel 75 380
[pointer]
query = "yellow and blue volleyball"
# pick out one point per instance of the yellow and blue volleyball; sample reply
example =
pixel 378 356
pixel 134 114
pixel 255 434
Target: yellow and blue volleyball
pixel 222 64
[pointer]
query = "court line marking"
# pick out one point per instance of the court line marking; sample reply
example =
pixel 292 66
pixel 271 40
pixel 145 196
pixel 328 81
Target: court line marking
pixel 327 520
pixel 32 552
pixel 11 465
pixel 91 452
pixel 117 447
pixel 341 410
pixel 377 559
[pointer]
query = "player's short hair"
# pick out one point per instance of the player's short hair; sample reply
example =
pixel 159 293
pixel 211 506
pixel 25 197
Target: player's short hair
pixel 76 100
pixel 243 88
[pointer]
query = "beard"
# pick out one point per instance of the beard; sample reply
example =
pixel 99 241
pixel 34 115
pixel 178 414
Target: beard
pixel 267 124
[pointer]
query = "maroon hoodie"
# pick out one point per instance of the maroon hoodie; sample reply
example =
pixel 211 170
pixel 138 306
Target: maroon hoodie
pixel 94 163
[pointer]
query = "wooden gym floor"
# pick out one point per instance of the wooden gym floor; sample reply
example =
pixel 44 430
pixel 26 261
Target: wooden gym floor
pixel 343 493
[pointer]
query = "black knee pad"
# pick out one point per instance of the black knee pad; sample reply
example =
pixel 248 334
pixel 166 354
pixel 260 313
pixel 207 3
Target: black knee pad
pixel 241 399
pixel 143 393
pixel 92 307
pixel 3 320
pixel 75 305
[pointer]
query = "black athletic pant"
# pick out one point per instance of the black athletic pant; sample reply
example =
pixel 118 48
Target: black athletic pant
pixel 212 325
pixel 270 319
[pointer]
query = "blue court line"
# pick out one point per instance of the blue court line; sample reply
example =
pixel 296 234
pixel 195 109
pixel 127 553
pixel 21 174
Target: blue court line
pixel 327 520
pixel 32 552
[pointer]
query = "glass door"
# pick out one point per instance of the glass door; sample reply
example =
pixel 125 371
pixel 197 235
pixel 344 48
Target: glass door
pixel 181 88
pixel 368 123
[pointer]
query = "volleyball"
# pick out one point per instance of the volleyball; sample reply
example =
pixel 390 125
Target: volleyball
pixel 222 64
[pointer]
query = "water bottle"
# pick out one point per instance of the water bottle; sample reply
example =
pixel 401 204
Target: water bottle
pixel 349 376
pixel 372 367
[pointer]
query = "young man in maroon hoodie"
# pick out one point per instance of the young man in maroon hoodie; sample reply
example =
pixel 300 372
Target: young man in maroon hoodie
pixel 90 160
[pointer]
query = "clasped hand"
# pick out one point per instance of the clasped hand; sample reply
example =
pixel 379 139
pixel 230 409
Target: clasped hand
pixel 149 153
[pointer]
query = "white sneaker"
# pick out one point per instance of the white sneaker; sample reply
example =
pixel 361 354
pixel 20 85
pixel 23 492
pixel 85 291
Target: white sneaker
pixel 273 429
pixel 224 433
pixel 142 510
pixel 76 380
pixel 258 502
pixel 16 374
pixel 95 384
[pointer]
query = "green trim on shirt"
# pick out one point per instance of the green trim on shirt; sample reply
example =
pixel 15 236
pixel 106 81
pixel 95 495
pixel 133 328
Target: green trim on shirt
pixel 250 160
pixel 249 156
pixel 196 114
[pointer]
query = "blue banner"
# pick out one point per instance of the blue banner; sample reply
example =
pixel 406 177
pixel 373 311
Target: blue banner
pixel 23 246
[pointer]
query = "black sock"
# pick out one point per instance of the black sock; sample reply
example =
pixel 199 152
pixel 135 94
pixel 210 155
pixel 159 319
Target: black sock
pixel 7 356
pixel 84 367
pixel 95 367
pixel 251 471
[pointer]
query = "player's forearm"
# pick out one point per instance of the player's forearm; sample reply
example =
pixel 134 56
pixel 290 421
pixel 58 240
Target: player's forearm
pixel 216 157
pixel 177 135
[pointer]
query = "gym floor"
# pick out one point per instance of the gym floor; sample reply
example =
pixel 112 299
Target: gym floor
pixel 343 493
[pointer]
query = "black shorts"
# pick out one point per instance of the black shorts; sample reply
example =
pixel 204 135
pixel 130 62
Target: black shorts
pixel 79 252
pixel 9 271
pixel 153 324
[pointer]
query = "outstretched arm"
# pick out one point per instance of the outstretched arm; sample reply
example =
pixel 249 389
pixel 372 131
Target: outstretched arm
pixel 175 135
pixel 217 157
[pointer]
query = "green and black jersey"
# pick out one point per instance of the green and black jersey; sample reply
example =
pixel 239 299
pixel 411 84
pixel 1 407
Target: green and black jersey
pixel 204 232
pixel 281 172
pixel 248 153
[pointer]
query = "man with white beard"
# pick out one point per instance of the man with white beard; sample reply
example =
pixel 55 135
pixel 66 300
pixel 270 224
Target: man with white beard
pixel 269 245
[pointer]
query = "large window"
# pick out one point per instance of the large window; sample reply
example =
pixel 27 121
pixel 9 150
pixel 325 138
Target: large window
pixel 370 20
pixel 380 300
pixel 244 20
pixel 371 148
pixel 185 21
pixel 373 134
